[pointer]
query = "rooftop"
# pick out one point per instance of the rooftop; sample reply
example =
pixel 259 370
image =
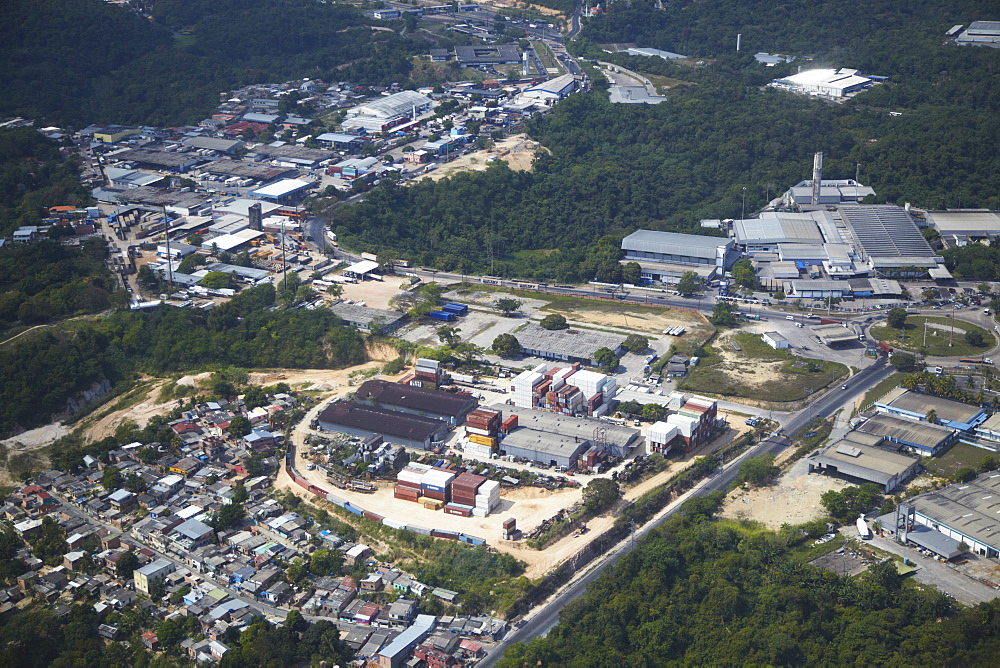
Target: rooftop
pixel 972 223
pixel 569 426
pixel 781 227
pixel 908 431
pixel 380 420
pixel 674 243
pixel 572 343
pixel 920 403
pixel 453 404
pixel 884 231
pixel 971 508
pixel 283 188
pixel 881 465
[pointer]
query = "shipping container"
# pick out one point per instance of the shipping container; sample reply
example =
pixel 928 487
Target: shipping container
pixel 433 504
pixel 450 535
pixel 441 315
pixel 393 524
pixel 372 516
pixel 350 508
pixel 456 308
pixel 885 347
pixel 478 431
pixel 420 530
pixel 489 441
pixel 509 524
pixel 509 424
pixel 471 540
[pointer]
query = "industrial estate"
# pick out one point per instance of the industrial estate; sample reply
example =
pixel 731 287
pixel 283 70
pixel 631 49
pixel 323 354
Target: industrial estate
pixel 504 433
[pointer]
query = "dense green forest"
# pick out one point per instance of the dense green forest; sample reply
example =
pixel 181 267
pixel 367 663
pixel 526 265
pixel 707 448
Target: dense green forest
pixel 615 168
pixel 76 62
pixel 34 175
pixel 39 638
pixel 703 592
pixel 43 370
pixel 974 261
pixel 46 281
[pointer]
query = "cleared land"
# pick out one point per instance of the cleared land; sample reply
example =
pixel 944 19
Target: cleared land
pixel 740 364
pixel 959 456
pixel 518 151
pixel 940 331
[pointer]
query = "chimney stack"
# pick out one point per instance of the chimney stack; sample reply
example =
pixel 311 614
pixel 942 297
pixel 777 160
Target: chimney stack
pixel 817 176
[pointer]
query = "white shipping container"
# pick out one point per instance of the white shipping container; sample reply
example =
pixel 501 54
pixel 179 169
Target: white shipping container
pixel 407 475
pixel 476 430
pixel 480 512
pixel 489 487
pixel 477 450
pixel 419 468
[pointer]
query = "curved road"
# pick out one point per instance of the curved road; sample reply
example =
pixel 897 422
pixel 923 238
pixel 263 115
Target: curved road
pixel 548 616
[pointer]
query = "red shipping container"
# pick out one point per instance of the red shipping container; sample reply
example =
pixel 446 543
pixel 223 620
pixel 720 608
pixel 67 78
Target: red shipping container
pixel 437 496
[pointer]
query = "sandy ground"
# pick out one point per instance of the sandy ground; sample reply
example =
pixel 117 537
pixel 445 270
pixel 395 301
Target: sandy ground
pixel 517 151
pixel 374 293
pixel 794 498
pixel 736 366
pixel 652 321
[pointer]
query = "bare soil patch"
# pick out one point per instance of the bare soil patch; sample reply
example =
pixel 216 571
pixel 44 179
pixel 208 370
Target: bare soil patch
pixel 794 498
pixel 517 151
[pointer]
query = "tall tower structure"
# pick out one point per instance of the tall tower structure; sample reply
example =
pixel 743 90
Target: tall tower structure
pixel 817 176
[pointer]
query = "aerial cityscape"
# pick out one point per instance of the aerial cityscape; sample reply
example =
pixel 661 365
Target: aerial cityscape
pixel 499 334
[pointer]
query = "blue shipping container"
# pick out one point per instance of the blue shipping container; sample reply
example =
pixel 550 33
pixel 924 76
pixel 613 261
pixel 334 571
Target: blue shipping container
pixel 356 511
pixel 433 488
pixel 441 315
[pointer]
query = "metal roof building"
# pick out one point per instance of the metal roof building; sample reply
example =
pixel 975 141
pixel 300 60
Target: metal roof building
pixel 829 82
pixel 214 144
pixel 976 224
pixel 666 55
pixel 488 54
pixel 415 431
pixel 764 233
pixel 619 439
pixel 925 439
pixel 406 103
pixel 967 512
pixel 568 345
pixel 887 237
pixel 665 256
pixel 452 407
pixel 856 457
pixel 366 317
pixel 284 190
pixel 916 406
pixel 633 95
pixel 981 33
pixel 831 191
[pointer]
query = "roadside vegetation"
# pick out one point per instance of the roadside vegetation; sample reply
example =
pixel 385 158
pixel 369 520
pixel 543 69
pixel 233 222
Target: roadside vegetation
pixel 796 378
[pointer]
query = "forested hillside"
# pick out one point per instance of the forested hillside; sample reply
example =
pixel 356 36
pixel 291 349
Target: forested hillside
pixel 86 61
pixel 705 593
pixel 33 177
pixel 42 371
pixel 614 168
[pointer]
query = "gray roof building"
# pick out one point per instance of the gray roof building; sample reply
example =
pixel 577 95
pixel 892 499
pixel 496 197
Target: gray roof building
pixel 887 237
pixel 178 162
pixel 967 512
pixel 366 317
pixel 214 144
pixel 927 439
pixel 488 54
pixel 617 440
pixel 855 457
pixel 673 247
pixel 401 428
pixel 452 407
pixel 570 345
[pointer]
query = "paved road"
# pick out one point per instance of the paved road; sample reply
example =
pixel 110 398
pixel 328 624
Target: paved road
pixel 940 576
pixel 548 616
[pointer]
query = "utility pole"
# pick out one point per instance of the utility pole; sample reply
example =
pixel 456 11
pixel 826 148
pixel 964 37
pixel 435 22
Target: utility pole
pixel 951 334
pixel 170 258
pixel 925 333
pixel 743 205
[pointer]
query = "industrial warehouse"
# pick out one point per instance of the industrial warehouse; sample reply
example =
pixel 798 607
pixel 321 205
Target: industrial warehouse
pixel 567 345
pixel 835 83
pixel 666 256
pixel 917 406
pixel 414 431
pixel 865 458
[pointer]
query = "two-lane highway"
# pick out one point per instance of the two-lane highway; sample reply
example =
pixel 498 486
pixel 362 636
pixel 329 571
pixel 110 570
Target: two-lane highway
pixel 548 616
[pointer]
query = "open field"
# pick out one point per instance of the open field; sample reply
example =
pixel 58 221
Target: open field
pixel 518 151
pixel 958 456
pixel 650 319
pixel 940 331
pixel 757 371
pixel 794 498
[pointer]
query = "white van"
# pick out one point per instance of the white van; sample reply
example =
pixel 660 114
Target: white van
pixel 789 317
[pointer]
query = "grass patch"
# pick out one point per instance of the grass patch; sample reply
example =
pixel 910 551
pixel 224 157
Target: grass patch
pixel 665 83
pixel 820 430
pixel 808 552
pixel 798 377
pixel 876 392
pixel 911 337
pixel 544 54
pixel 958 456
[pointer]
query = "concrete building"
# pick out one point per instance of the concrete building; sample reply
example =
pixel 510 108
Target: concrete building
pixel 831 191
pixel 568 345
pixel 633 95
pixel 660 437
pixel 775 340
pixel 916 406
pixel 651 53
pixel 921 438
pixel 835 83
pixel 857 457
pixel 151 573
pixel 227 146
pixel 286 191
pixel 395 653
pixel 978 225
pixel 666 256
pixel 415 431
pixel 450 407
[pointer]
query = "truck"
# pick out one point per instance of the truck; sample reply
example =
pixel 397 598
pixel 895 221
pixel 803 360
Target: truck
pixel 975 360
pixel 885 347
pixel 442 315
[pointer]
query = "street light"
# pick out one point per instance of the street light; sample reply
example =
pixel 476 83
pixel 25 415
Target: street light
pixel 743 206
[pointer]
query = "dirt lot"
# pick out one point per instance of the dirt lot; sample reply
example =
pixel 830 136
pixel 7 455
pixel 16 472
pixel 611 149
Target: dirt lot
pixel 374 293
pixel 735 364
pixel 634 317
pixel 793 499
pixel 517 151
